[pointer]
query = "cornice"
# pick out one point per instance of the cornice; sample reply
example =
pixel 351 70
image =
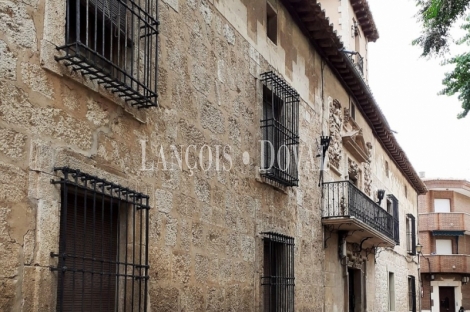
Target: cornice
pixel 365 19
pixel 312 20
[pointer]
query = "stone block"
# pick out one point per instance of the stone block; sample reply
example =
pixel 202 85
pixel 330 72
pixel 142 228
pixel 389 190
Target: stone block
pixel 12 143
pixel 13 184
pixel 47 232
pixel 39 289
pixel 173 4
pixel 181 267
pixel 164 200
pixel 17 24
pixel 164 298
pixel 7 62
pixel 35 77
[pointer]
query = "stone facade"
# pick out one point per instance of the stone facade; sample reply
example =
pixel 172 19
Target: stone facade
pixel 442 226
pixel 196 156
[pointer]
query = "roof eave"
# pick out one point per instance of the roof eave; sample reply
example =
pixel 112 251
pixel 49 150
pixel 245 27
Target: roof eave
pixel 314 23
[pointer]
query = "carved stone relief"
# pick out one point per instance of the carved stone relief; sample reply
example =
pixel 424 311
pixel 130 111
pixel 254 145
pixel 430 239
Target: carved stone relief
pixel 353 169
pixel 367 171
pixel 335 151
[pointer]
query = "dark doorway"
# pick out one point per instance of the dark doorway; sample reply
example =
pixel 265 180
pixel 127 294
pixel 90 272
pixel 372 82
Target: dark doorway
pixel 352 300
pixel 354 290
pixel 446 299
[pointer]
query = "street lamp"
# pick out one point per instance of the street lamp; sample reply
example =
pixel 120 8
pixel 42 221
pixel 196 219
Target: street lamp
pixel 419 248
pixel 380 196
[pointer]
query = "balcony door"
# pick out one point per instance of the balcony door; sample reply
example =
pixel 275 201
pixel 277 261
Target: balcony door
pixel 355 290
pixel 446 299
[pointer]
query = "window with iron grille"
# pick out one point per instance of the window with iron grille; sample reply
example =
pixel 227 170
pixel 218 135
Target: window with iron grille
pixel 280 129
pixel 103 245
pixel 411 234
pixel 278 273
pixel 396 218
pixel 115 43
pixel 411 293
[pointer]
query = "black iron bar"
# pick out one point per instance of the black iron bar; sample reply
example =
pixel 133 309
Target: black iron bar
pixel 100 260
pixel 116 38
pixel 343 199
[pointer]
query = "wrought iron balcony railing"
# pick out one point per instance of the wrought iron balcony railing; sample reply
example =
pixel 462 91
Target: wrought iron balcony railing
pixel 357 60
pixel 344 200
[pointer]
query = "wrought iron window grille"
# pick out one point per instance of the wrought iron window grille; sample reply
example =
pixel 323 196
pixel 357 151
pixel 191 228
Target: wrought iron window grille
pixel 411 234
pixel 103 245
pixel 344 199
pixel 115 43
pixel 278 279
pixel 280 130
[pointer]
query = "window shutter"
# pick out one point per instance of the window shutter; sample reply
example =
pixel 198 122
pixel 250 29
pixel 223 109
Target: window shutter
pixel 88 284
pixel 113 10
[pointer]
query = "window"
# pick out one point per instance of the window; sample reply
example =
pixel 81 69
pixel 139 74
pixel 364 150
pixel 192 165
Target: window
pixel 115 43
pixel 406 191
pixel 411 234
pixel 391 291
pixel 443 246
pixel 280 130
pixel 352 110
pixel 271 23
pixel 387 174
pixel 389 206
pixel 396 216
pixel 411 293
pixel 103 245
pixel 278 273
pixel 441 205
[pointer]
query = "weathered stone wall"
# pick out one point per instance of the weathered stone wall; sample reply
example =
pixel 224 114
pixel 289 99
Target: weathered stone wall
pixel 205 249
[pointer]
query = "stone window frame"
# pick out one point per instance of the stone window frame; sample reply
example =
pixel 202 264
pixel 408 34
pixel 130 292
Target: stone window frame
pixel 53 36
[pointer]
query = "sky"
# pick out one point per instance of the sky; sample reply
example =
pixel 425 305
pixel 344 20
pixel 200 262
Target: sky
pixel 405 86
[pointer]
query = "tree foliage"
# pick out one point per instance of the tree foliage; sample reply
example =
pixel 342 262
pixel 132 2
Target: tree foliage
pixel 437 18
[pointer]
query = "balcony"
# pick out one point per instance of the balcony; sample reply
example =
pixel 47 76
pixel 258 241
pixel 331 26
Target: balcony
pixel 346 208
pixel 357 60
pixel 444 221
pixel 445 264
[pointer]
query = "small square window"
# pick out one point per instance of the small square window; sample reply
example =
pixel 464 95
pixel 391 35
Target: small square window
pixel 271 23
